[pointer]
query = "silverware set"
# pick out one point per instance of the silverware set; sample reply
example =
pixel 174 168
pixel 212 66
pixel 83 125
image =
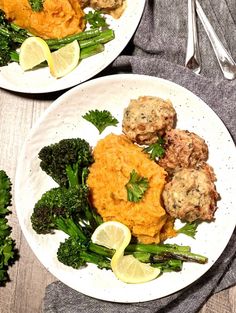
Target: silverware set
pixel 193 59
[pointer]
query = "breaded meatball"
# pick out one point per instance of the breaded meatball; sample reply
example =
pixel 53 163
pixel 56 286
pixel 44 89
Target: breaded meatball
pixel 183 149
pixel 147 118
pixel 191 195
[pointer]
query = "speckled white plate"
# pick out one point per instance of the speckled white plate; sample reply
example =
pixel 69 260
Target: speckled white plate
pixel 63 120
pixel 13 78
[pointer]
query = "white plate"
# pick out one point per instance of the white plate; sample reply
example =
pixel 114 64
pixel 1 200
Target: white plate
pixel 13 78
pixel 63 120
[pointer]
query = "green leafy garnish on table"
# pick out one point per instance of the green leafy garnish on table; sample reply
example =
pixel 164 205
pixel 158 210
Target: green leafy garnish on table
pixel 189 229
pixel 100 119
pixel 7 245
pixel 136 187
pixel 156 149
pixel 96 19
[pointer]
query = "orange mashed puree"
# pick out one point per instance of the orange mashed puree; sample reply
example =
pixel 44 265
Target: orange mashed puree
pixel 115 158
pixel 58 19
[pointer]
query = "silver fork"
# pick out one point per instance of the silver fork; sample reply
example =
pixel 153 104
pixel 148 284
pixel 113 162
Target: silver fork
pixel 225 60
pixel 192 60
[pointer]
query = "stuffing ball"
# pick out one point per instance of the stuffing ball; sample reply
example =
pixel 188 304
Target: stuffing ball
pixel 191 194
pixel 183 149
pixel 147 118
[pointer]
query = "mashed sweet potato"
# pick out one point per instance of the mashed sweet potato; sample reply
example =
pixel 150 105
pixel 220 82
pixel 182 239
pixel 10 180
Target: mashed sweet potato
pixel 58 19
pixel 115 158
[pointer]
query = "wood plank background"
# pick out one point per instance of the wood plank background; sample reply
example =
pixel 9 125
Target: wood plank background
pixel 25 292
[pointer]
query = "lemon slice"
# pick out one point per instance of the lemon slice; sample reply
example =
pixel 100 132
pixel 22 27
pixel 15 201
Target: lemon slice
pixel 115 235
pixel 130 270
pixel 65 59
pixel 33 51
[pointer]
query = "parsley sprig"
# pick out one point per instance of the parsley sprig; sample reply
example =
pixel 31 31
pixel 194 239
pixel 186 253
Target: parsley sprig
pixel 100 119
pixel 189 229
pixel 96 19
pixel 156 149
pixel 136 187
pixel 36 5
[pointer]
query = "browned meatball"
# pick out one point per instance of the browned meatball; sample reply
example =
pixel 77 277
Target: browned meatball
pixel 184 149
pixel 191 195
pixel 147 118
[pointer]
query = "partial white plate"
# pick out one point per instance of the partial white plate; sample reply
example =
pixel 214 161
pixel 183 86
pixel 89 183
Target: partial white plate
pixel 64 119
pixel 13 78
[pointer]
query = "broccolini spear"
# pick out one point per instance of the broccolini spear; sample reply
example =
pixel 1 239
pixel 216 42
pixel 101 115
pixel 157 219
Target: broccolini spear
pixel 72 252
pixel 164 252
pixel 7 245
pixel 11 37
pixel 66 160
pixel 64 203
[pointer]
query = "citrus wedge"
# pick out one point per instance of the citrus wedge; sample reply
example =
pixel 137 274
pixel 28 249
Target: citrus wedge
pixel 65 59
pixel 130 270
pixel 115 235
pixel 33 51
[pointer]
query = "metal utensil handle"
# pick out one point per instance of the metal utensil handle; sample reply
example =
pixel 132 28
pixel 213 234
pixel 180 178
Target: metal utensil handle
pixel 225 60
pixel 192 55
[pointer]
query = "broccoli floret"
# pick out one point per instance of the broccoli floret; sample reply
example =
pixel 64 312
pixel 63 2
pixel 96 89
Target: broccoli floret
pixel 67 161
pixel 72 252
pixel 57 203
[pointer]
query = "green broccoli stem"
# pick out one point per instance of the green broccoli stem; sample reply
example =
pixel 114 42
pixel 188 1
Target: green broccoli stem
pixel 105 36
pixel 90 51
pixel 72 173
pixel 16 38
pixel 14 56
pixel 94 258
pixel 80 36
pixel 163 252
pixel 70 228
pixel 171 265
pixel 101 250
pixel 156 248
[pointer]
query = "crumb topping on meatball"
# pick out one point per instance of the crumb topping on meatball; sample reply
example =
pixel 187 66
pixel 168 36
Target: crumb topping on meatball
pixel 147 118
pixel 183 149
pixel 191 195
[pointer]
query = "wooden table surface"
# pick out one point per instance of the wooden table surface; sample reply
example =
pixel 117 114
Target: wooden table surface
pixel 25 292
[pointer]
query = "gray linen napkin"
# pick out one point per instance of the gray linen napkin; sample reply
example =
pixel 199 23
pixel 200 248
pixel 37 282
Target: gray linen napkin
pixel 158 49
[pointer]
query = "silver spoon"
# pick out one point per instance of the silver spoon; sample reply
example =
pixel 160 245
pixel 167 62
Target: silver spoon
pixel 225 60
pixel 192 60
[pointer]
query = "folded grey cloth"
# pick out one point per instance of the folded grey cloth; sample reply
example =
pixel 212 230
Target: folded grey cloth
pixel 158 49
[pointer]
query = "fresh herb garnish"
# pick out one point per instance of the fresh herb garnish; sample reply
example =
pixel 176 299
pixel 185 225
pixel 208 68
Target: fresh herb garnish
pixel 36 5
pixel 136 187
pixel 96 19
pixel 7 251
pixel 156 149
pixel 189 229
pixel 100 119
